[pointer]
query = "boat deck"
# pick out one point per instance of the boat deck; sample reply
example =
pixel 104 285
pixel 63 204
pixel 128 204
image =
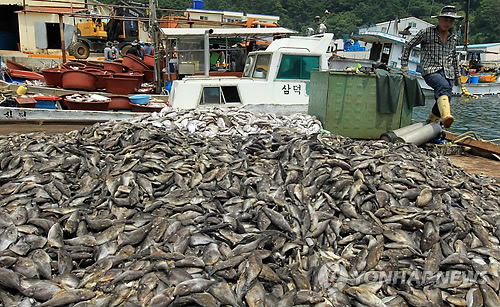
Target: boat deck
pixel 477 165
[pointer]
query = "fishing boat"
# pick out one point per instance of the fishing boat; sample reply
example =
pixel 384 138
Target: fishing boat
pixel 274 79
pixel 25 110
pixel 387 49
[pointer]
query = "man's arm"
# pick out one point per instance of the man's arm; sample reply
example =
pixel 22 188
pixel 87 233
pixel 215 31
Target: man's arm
pixel 407 48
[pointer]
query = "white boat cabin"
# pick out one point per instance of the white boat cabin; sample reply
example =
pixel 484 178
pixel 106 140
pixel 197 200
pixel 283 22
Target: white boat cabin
pixel 278 76
pixel 384 49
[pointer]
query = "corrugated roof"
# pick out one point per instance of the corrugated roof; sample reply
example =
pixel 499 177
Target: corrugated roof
pixel 224 32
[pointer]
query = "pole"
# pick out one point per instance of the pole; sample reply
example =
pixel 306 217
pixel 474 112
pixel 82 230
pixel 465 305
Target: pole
pixel 466 34
pixel 206 51
pixel 154 32
pixel 61 32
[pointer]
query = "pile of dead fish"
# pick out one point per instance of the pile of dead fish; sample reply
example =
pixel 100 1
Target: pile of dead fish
pixel 230 121
pixel 87 97
pixel 258 214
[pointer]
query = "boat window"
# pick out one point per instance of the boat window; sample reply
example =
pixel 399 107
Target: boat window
pixel 247 72
pixel 261 66
pixel 210 95
pixel 297 66
pixel 230 94
pixel 220 95
pixel 419 68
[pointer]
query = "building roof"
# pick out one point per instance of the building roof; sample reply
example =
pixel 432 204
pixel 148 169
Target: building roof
pixel 51 10
pixel 406 18
pixel 224 32
pixel 479 46
pixel 229 12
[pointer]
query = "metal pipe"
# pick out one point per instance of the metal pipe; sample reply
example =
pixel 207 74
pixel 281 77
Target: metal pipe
pixel 421 135
pixel 391 136
pixel 206 54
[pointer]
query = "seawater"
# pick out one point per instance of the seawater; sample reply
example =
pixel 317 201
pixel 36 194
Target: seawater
pixel 479 115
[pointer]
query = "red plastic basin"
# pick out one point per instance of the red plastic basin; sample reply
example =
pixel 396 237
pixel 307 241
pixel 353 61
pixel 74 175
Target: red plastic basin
pixel 119 102
pixel 149 75
pixel 114 66
pixel 79 80
pixel 120 85
pixel 96 64
pixel 145 108
pixel 88 105
pixel 101 75
pixel 53 76
pixel 134 63
pixel 132 75
pixel 150 61
pixel 74 65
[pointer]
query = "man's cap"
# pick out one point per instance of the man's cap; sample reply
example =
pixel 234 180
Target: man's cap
pixel 134 43
pixel 109 44
pixel 116 43
pixel 449 11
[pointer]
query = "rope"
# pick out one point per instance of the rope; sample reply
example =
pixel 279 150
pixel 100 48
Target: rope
pixel 462 136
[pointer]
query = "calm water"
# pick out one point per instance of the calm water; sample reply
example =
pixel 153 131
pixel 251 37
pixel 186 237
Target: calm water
pixel 480 115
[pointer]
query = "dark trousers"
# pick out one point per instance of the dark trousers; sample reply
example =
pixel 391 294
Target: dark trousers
pixel 441 86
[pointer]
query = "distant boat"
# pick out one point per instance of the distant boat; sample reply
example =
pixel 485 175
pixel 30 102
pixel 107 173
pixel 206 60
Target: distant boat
pixel 387 50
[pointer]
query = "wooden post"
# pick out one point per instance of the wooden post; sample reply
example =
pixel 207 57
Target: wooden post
pixel 61 31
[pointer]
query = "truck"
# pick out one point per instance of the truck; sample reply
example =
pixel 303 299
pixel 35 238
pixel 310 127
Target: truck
pixel 92 34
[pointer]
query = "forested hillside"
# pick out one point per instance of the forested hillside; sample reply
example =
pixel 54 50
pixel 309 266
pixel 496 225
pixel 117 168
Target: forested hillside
pixel 347 15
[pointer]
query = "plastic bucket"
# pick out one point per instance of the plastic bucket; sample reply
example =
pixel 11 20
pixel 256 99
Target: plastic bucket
pixel 474 79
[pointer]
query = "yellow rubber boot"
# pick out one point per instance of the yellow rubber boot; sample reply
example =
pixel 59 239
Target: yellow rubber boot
pixel 444 108
pixel 432 118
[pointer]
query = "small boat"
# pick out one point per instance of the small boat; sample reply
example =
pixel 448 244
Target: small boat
pixel 16 66
pixel 386 49
pixel 56 115
pixel 23 74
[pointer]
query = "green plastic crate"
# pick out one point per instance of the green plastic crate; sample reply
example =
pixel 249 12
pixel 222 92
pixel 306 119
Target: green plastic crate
pixel 346 105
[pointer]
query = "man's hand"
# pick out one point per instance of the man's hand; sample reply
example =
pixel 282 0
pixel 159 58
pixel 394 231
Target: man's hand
pixel 404 69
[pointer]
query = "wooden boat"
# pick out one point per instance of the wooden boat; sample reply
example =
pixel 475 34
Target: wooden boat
pixel 16 66
pixel 23 74
pixel 32 115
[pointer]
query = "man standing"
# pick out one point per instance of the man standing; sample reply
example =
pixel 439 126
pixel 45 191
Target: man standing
pixel 439 62
pixel 134 50
pixel 148 49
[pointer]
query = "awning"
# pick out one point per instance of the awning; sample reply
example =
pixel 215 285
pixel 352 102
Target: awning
pixel 379 37
pixel 224 32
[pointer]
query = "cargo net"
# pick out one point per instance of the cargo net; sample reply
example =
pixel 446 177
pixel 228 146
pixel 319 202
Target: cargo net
pixel 445 149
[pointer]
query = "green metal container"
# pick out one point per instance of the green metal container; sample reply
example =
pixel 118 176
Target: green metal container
pixel 346 105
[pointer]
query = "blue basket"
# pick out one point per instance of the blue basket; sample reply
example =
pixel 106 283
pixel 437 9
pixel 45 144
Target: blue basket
pixel 474 79
pixel 46 104
pixel 140 99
